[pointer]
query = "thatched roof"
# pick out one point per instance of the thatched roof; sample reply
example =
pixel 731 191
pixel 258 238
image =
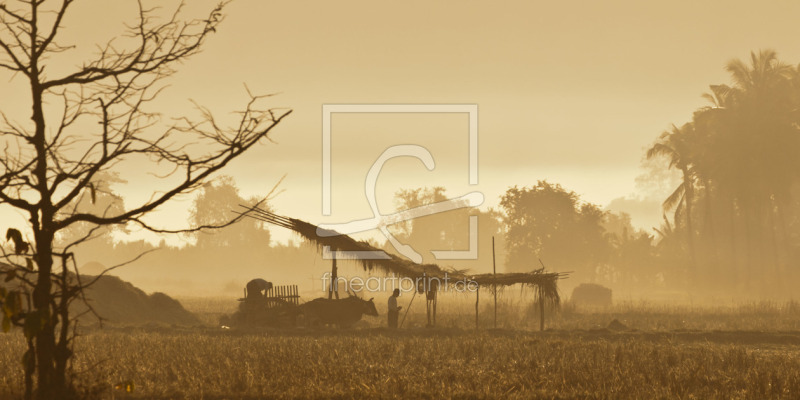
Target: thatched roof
pixel 544 282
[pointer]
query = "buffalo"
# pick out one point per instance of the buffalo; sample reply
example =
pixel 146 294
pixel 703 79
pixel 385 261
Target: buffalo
pixel 340 312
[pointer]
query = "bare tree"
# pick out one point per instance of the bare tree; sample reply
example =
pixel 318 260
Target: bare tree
pixel 85 123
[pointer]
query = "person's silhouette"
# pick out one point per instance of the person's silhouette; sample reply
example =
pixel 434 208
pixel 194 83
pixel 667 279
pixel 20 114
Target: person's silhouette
pixel 394 309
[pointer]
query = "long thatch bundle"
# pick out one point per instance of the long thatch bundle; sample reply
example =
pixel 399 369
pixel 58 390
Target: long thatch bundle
pixel 545 283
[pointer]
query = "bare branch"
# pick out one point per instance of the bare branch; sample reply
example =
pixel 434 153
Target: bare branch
pixel 13 14
pixel 54 30
pixel 196 172
pixel 160 46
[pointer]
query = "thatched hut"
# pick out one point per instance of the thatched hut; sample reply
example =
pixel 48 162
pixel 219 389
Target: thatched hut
pixel 544 283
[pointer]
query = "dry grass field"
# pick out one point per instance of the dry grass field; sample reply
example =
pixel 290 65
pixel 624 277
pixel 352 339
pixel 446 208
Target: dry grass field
pixel 747 351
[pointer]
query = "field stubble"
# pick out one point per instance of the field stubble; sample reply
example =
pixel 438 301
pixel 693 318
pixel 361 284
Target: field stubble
pixel 723 358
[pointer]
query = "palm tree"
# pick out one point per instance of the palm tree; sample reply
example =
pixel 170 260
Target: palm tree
pixel 676 146
pixel 710 170
pixel 738 157
pixel 766 132
pixel 762 77
pixel 747 138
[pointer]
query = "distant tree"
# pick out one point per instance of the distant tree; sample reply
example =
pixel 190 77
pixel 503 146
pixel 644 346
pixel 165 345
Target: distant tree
pixel 447 231
pixel 632 259
pixel 443 231
pixel 671 254
pixel 215 205
pixel 100 199
pixel 92 120
pixel 550 223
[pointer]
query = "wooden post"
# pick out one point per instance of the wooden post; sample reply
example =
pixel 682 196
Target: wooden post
pixel 334 288
pixel 435 299
pixel 541 302
pixel 477 298
pixel 427 304
pixel 431 294
pixel 430 301
pixel 494 285
pixel 541 310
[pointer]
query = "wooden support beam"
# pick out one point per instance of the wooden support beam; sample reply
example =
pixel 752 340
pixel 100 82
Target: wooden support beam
pixel 334 287
pixel 477 299
pixel 541 312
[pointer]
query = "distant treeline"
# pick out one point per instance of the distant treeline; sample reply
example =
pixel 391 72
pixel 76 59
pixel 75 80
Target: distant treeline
pixel 213 263
pixel 734 222
pixel 729 228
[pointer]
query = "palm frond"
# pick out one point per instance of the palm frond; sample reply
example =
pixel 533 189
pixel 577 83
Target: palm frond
pixel 662 150
pixel 675 198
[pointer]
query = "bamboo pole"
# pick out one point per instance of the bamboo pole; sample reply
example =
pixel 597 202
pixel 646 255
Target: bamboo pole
pixel 408 309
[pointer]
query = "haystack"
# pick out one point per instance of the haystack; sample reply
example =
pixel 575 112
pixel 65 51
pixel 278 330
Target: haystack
pixel 119 302
pixel 591 294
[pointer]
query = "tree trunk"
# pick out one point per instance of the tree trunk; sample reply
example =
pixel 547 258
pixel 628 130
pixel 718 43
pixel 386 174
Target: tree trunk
pixel 734 256
pixel 48 385
pixel 776 277
pixel 689 194
pixel 63 352
pixel 748 236
pixel 29 365
pixel 786 246
pixel 712 231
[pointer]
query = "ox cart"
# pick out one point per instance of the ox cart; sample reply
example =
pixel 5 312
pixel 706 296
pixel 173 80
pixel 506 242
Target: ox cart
pixel 268 306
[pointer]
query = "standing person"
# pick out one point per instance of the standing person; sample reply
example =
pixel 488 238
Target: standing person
pixel 394 310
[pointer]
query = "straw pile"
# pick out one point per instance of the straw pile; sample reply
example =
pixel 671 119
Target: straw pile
pixel 119 302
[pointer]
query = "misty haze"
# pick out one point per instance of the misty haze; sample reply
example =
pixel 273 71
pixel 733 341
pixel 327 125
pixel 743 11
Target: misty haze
pixel 251 200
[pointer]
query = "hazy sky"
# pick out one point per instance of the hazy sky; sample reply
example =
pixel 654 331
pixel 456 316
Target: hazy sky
pixel 571 92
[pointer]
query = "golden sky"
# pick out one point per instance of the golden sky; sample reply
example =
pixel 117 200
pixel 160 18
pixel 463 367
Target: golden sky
pixel 567 91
